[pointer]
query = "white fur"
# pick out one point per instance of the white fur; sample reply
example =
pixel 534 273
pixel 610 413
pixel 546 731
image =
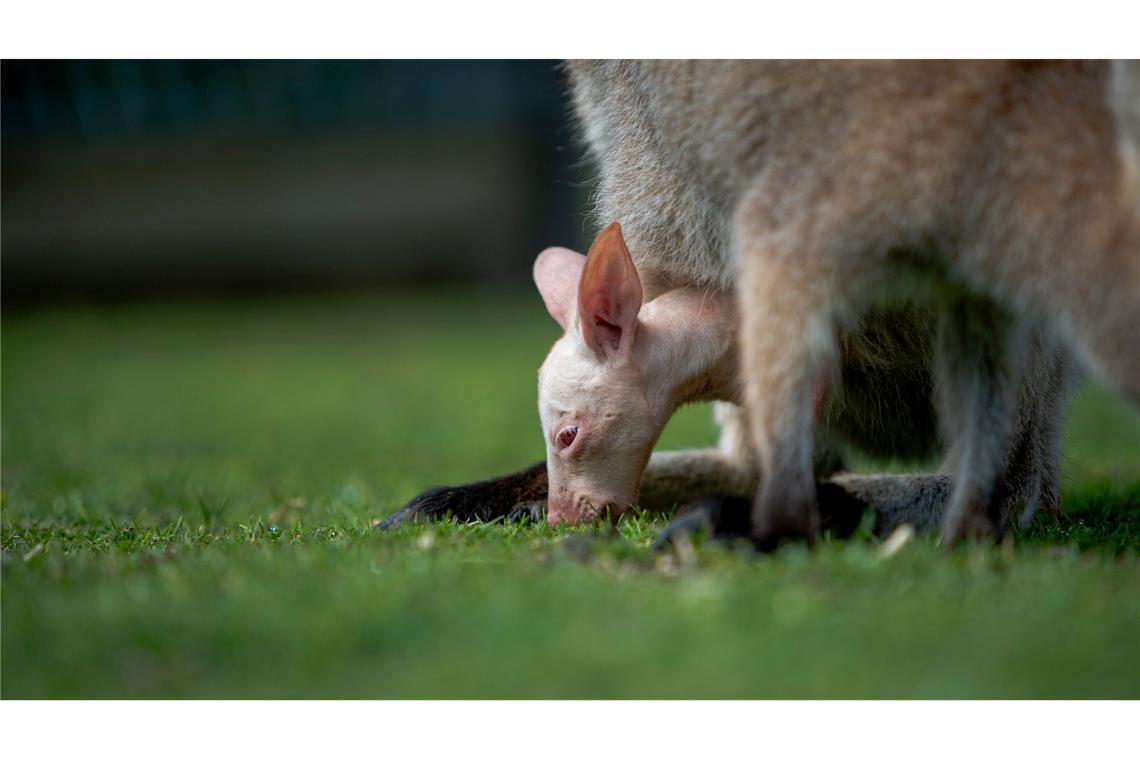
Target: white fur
pixel 682 351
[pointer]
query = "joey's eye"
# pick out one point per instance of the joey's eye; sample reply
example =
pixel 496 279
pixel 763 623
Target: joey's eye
pixel 567 435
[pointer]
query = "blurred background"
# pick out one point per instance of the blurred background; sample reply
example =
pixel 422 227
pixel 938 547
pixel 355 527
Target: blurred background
pixel 127 179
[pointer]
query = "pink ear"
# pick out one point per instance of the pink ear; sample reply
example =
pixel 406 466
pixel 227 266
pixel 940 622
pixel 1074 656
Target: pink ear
pixel 556 273
pixel 609 295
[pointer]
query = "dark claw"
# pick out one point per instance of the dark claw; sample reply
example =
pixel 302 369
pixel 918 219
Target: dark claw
pixel 532 512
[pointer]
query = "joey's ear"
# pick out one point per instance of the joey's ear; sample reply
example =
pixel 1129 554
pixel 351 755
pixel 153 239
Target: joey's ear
pixel 556 273
pixel 609 295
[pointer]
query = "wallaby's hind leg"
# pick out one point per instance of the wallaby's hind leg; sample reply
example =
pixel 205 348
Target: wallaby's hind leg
pixel 1032 479
pixel 788 342
pixel 978 365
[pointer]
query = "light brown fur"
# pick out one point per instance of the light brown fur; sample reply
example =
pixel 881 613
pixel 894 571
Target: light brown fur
pixel 1000 195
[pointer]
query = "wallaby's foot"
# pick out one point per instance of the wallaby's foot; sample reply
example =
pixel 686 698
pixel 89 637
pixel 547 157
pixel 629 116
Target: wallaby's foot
pixel 784 513
pixel 533 511
pixel 840 511
pixel 723 518
pixel 520 495
pixel 969 521
pixel 728 518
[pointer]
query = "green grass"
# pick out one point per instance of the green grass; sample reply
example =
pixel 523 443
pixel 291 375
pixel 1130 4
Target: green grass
pixel 187 493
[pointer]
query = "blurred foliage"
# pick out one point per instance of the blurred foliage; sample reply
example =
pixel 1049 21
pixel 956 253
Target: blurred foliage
pixel 96 102
pixel 128 179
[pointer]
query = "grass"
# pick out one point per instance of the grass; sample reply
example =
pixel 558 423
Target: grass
pixel 188 489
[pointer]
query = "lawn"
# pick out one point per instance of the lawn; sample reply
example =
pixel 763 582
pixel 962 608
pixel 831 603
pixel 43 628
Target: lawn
pixel 188 491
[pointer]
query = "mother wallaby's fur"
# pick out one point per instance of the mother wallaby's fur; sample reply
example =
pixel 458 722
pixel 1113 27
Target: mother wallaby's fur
pixel 1003 195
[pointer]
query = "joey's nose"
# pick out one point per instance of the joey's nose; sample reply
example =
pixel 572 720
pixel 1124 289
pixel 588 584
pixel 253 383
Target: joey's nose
pixel 558 510
pixel 576 510
pixel 565 512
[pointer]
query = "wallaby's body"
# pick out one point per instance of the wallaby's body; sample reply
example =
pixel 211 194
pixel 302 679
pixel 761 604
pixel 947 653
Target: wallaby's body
pixel 679 211
pixel 1001 195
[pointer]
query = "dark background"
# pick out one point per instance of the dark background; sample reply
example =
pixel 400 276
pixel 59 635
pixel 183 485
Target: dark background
pixel 140 179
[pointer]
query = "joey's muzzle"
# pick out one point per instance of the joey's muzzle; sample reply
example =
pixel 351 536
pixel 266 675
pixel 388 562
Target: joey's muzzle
pixel 580 509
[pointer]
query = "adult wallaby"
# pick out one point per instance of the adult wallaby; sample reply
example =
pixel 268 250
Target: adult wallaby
pixel 1002 194
pixel 959 178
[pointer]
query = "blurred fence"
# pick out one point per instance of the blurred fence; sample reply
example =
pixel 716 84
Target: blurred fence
pixel 126 178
